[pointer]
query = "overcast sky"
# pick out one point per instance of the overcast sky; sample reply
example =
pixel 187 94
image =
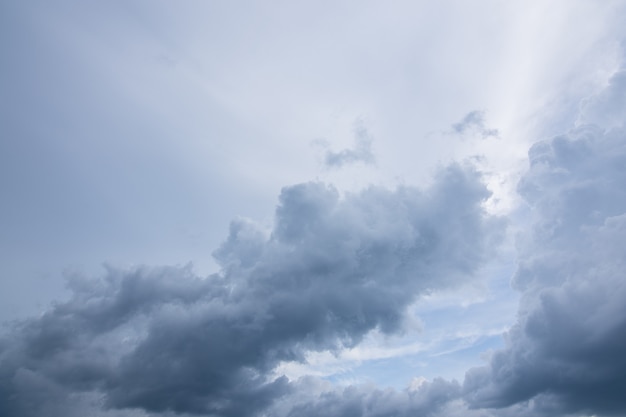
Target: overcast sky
pixel 289 209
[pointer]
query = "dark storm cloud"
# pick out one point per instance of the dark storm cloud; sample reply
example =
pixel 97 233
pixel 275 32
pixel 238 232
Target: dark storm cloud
pixel 474 121
pixel 332 269
pixel 568 345
pixel 362 151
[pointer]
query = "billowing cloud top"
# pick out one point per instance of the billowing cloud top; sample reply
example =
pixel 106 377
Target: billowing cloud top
pixel 332 269
pixel 566 350
pixel 568 343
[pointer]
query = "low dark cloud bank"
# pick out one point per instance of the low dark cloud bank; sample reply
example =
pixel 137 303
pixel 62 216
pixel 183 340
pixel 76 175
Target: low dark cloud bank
pixel 430 399
pixel 333 268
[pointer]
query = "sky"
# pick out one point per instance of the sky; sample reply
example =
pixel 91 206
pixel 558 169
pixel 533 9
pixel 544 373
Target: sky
pixel 281 209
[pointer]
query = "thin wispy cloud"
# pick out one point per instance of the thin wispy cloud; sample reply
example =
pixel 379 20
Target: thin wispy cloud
pixel 361 152
pixel 474 122
pixel 565 348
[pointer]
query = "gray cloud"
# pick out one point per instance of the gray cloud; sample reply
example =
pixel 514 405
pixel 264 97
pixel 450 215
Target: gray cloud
pixel 567 347
pixel 564 356
pixel 438 398
pixel 474 121
pixel 332 269
pixel 608 108
pixel 362 151
pixel 355 401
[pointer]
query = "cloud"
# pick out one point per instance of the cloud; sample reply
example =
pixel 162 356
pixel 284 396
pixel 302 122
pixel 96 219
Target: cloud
pixel 366 401
pixel 362 151
pixel 436 398
pixel 474 121
pixel 331 270
pixel 607 109
pixel 334 268
pixel 564 355
pixel 566 349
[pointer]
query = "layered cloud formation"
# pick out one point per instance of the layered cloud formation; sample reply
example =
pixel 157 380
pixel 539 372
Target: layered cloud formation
pixel 331 270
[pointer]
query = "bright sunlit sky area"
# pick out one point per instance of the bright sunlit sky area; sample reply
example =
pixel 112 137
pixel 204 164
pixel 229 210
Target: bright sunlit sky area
pixel 337 153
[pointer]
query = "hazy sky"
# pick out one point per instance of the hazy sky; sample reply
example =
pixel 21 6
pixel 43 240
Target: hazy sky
pixel 290 209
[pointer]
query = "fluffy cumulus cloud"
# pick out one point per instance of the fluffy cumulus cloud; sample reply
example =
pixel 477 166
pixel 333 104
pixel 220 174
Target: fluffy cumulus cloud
pixel 566 352
pixel 333 268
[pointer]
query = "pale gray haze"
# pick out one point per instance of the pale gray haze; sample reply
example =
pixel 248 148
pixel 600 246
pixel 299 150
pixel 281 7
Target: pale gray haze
pixel 302 209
